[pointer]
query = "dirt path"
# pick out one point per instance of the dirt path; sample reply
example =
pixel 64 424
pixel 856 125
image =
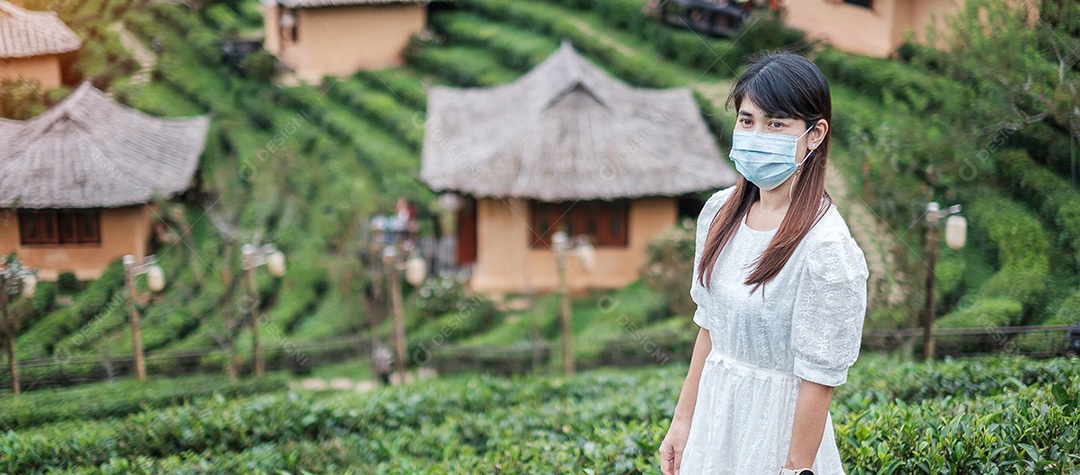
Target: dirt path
pixel 347 384
pixel 142 55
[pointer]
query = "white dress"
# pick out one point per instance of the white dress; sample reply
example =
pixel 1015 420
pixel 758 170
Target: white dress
pixel 806 325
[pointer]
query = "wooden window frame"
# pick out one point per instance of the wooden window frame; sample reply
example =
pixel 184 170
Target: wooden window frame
pixel 51 227
pixel 606 222
pixel 867 4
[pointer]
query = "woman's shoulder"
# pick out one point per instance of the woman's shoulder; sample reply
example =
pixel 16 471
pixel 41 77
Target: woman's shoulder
pixel 717 199
pixel 832 227
pixel 831 239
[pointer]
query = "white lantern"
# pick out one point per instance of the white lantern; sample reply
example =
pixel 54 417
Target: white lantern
pixel 559 240
pixel 275 263
pixel 450 202
pixel 28 284
pixel 415 270
pixel 586 253
pixel 155 278
pixel 955 232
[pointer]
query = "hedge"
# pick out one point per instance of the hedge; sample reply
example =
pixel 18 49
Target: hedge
pixel 1053 194
pixel 121 398
pixel 40 339
pixel 461 66
pixel 639 69
pixel 1022 256
pixel 401 83
pixel 600 421
pixel 382 108
pixel 516 48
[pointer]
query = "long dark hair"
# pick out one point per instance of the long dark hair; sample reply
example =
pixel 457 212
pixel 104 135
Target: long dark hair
pixel 782 85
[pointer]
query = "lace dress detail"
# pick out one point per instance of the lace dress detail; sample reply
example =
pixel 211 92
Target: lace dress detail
pixel 805 324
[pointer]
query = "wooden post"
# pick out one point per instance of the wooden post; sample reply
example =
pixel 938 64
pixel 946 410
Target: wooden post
pixel 564 314
pixel 931 260
pixel 399 318
pixel 253 294
pixel 9 330
pixel 133 315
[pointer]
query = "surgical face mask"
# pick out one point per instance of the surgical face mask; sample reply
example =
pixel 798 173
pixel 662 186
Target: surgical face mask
pixel 766 159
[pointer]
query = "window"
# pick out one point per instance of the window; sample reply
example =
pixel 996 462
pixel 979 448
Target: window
pixel 60 227
pixel 604 221
pixel 861 3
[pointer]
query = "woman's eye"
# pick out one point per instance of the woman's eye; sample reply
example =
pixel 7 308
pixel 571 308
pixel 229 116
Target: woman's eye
pixel 776 125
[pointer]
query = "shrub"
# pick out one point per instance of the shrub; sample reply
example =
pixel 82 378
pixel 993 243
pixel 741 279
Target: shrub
pixel 669 265
pixel 259 65
pixel 1013 415
pixel 1022 254
pixel 117 399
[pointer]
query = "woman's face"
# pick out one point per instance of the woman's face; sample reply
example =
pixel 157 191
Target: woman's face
pixel 752 119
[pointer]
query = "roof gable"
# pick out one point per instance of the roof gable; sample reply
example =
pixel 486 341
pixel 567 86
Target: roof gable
pixel 566 130
pixel 88 151
pixel 25 33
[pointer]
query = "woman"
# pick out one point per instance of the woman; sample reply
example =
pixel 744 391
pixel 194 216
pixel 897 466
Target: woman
pixel 781 292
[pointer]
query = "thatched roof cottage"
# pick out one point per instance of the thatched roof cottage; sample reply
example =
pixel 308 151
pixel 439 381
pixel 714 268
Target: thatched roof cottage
pixel 317 38
pixel 870 27
pixel 77 181
pixel 565 145
pixel 31 43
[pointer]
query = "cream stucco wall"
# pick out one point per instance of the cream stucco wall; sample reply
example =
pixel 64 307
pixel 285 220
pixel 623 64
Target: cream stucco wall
pixel 505 263
pixel 43 69
pixel 123 231
pixel 873 31
pixel 343 40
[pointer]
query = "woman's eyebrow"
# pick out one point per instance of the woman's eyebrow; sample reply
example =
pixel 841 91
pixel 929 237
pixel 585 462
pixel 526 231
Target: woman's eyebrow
pixel 779 115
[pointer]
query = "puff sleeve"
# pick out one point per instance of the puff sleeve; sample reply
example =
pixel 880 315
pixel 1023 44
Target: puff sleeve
pixel 704 220
pixel 830 305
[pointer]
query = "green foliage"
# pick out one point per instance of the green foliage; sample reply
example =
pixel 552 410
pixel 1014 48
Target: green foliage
pixel 259 65
pixel 1053 195
pixel 461 66
pixel 669 265
pixel 588 35
pixel 1008 414
pixel 518 49
pixel 439 295
pixel 403 84
pixel 983 313
pixel 1024 266
pixel 719 56
pixel 40 339
pixel 372 103
pixel 118 399
pixel 21 100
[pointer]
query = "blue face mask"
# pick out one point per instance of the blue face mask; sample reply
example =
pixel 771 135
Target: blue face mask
pixel 766 159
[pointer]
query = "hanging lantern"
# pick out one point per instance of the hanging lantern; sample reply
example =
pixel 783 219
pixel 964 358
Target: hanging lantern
pixel 955 232
pixel 155 278
pixel 275 263
pixel 450 202
pixel 28 284
pixel 560 241
pixel 586 254
pixel 415 270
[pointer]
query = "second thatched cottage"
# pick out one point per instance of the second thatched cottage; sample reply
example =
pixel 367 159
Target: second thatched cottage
pixel 78 182
pixel 31 44
pixel 565 146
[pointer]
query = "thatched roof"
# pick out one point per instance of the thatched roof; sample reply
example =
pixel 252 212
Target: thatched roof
pixel 25 33
pixel 88 151
pixel 338 3
pixel 568 131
